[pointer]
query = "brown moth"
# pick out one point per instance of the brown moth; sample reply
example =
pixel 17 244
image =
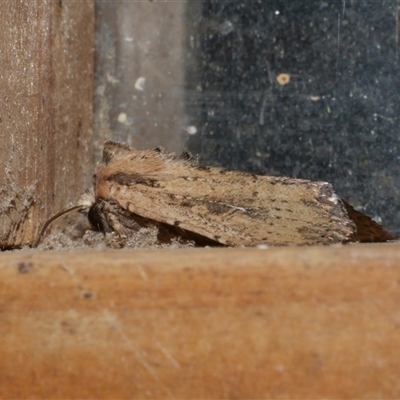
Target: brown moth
pixel 216 206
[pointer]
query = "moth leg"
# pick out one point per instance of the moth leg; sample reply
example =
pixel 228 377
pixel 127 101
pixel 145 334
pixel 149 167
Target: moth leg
pixel 122 222
pixel 117 226
pixel 125 223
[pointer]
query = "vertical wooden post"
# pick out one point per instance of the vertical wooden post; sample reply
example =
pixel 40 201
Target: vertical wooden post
pixel 46 64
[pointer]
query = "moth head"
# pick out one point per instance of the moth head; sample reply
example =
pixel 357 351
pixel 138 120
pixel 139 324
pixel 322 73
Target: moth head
pixel 97 219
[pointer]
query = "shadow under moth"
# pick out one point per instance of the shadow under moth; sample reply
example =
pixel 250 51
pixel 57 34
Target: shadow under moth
pixel 215 206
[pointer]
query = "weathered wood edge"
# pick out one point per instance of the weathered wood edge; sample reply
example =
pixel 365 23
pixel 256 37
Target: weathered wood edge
pixel 314 322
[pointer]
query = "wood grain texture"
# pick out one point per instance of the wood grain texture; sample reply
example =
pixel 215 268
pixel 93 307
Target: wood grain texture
pixel 46 68
pixel 318 322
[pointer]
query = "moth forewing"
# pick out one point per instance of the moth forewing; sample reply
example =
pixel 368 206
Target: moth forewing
pixel 232 208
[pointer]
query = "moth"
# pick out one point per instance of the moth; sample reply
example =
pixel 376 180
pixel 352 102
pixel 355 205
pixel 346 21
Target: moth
pixel 215 206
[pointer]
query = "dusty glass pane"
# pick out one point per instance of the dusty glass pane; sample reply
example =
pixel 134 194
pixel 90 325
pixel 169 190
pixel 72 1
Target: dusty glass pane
pixel 297 88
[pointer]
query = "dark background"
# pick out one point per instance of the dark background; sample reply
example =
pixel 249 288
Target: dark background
pixel 337 118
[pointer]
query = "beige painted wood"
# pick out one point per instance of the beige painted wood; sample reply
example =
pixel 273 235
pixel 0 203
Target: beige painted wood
pixel 201 323
pixel 46 74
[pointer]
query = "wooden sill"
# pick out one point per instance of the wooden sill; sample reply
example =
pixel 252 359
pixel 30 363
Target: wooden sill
pixel 317 322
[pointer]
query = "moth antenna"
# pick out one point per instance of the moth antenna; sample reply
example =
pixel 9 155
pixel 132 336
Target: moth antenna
pixel 53 218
